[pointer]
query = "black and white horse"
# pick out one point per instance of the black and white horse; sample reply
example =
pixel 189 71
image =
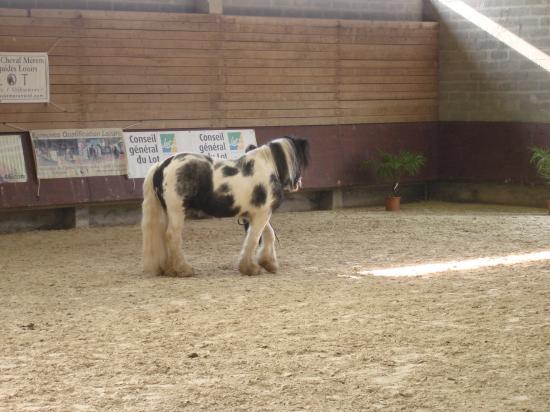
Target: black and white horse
pixel 250 187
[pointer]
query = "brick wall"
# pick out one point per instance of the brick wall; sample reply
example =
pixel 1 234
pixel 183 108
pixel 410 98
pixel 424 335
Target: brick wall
pixel 181 6
pixel 341 9
pixel 482 79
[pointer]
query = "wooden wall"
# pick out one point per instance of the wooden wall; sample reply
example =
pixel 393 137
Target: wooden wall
pixel 170 70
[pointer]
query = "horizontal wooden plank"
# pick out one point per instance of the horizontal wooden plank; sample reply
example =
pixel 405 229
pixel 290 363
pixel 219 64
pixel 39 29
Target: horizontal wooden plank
pixel 387 52
pixel 134 61
pixel 387 95
pixel 390 111
pixel 113 108
pixel 279 88
pixel 387 87
pixel 129 98
pixel 388 71
pixel 261 21
pixel 135 125
pixel 274 97
pixel 400 118
pixel 122 15
pixel 387 79
pixel 272 113
pixel 284 105
pixel 282 121
pixel 134 115
pixel 130 79
pixel 110 24
pixel 134 52
pixel 129 70
pixel 28 42
pixel 129 88
pixel 282 80
pixel 388 105
pixel 403 37
pixel 230 61
pixel 78 32
pixel 388 64
pixel 13 12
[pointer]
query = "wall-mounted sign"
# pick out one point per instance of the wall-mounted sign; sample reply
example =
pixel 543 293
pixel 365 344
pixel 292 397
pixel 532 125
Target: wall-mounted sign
pixel 144 149
pixel 24 78
pixel 12 161
pixel 78 152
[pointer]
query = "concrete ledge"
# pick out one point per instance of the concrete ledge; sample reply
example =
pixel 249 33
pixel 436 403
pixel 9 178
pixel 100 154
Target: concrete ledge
pixel 41 219
pixel 130 213
pixel 505 194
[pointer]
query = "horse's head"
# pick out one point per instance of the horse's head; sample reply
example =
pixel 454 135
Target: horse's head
pixel 291 157
pixel 301 156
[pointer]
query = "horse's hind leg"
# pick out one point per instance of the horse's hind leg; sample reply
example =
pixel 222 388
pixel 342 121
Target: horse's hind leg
pixel 247 265
pixel 176 266
pixel 267 257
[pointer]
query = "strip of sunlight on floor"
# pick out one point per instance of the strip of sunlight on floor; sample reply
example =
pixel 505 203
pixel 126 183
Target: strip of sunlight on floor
pixel 496 30
pixel 455 265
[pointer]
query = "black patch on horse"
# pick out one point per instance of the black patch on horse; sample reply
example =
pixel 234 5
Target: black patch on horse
pixel 194 185
pixel 223 188
pixel 229 171
pixel 276 192
pixel 280 162
pixel 158 178
pixel 259 195
pixel 246 166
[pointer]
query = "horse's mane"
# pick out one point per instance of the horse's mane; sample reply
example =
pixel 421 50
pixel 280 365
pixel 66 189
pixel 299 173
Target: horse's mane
pixel 287 155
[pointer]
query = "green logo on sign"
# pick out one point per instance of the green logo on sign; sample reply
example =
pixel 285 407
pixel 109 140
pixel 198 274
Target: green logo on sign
pixel 168 142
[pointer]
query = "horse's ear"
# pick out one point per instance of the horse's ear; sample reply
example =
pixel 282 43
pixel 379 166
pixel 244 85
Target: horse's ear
pixel 250 147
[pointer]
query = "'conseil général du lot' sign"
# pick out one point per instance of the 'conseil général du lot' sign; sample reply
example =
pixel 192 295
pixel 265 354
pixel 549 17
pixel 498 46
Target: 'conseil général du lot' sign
pixel 24 78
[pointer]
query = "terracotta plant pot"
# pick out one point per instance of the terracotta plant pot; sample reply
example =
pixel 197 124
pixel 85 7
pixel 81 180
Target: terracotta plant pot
pixel 393 203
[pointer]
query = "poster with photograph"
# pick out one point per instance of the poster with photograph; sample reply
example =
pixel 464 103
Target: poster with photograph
pixel 144 149
pixel 12 161
pixel 79 153
pixel 24 78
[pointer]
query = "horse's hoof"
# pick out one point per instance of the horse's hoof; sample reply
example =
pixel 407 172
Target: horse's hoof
pixel 180 272
pixel 249 270
pixel 185 271
pixel 270 265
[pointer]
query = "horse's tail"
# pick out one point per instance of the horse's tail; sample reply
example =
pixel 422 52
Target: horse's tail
pixel 153 227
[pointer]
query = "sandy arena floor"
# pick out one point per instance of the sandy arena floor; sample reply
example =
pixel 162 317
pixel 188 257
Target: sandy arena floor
pixel 82 329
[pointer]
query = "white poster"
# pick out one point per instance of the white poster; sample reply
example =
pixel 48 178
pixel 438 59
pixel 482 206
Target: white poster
pixel 78 152
pixel 24 78
pixel 144 149
pixel 12 161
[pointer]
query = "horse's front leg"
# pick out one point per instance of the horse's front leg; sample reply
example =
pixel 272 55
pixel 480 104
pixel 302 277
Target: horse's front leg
pixel 247 265
pixel 267 258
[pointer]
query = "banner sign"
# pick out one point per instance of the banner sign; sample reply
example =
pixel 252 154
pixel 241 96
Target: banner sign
pixel 79 152
pixel 24 78
pixel 144 149
pixel 12 161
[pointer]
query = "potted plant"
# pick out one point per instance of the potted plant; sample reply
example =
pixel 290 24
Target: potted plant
pixel 392 168
pixel 540 158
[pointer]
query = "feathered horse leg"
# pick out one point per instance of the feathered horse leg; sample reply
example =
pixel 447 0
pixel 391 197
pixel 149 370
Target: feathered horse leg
pixel 177 266
pixel 247 264
pixel 267 258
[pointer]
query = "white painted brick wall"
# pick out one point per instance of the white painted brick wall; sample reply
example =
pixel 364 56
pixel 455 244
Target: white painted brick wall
pixel 343 9
pixel 482 79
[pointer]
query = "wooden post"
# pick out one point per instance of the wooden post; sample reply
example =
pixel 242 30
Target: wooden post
pixel 215 6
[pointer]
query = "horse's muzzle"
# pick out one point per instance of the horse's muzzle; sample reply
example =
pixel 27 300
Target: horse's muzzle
pixel 297 185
